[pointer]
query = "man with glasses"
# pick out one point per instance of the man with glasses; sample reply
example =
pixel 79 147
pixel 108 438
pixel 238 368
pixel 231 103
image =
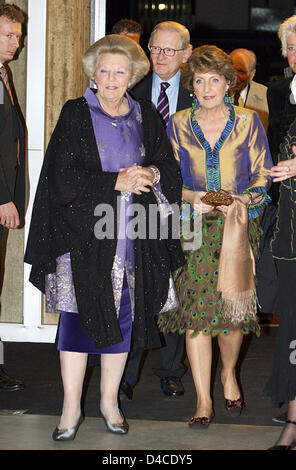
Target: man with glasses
pixel 169 47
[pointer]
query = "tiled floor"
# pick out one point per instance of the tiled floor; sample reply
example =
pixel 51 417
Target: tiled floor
pixel 33 432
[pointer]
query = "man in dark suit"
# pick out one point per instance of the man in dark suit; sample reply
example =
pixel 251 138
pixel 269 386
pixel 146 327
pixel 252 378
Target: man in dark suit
pixel 169 47
pixel 12 180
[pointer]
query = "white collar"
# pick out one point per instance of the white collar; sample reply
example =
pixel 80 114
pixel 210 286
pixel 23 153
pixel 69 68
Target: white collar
pixel 244 93
pixel 173 81
pixel 293 87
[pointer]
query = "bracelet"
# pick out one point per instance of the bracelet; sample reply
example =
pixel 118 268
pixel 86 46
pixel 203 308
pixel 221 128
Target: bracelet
pixel 156 172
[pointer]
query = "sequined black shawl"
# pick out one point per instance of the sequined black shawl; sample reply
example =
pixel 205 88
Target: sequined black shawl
pixel 71 185
pixel 283 242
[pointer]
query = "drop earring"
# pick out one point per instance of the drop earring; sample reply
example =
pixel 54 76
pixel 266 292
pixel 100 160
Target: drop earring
pixel 195 103
pixel 228 99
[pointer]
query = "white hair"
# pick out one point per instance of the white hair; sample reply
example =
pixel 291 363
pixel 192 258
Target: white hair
pixel 286 28
pixel 174 26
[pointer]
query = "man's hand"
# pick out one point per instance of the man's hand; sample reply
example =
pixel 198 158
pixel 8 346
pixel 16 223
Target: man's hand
pixel 9 216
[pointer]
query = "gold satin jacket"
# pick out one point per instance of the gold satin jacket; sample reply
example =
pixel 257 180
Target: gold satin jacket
pixel 239 163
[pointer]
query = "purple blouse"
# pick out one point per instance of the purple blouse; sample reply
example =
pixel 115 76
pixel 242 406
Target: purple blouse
pixel 120 145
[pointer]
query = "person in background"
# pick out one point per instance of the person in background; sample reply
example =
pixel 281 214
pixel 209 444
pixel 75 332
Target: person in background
pixel 12 174
pixel 108 153
pixel 252 95
pixel 130 28
pixel 248 93
pixel 281 97
pixel 225 160
pixel 170 48
pixel 281 386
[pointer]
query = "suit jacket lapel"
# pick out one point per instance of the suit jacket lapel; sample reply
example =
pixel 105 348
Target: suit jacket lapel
pixel 184 98
pixel 147 90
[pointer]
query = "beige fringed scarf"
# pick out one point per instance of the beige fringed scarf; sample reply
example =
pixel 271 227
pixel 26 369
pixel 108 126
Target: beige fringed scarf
pixel 237 266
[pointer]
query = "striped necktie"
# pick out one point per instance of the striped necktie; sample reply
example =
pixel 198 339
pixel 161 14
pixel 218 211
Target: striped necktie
pixel 4 76
pixel 163 104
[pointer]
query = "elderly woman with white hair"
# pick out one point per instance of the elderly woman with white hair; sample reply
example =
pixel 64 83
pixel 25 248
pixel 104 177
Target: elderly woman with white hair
pixel 281 95
pixel 281 386
pixel 107 152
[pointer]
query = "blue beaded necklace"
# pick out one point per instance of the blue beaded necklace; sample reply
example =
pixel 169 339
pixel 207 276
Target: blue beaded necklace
pixel 212 156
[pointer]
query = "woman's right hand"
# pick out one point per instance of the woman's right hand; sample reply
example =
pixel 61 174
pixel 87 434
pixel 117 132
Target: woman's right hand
pixel 285 169
pixel 194 197
pixel 128 180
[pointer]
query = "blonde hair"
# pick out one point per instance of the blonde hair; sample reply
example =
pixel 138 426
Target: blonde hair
pixel 208 59
pixel 286 28
pixel 117 44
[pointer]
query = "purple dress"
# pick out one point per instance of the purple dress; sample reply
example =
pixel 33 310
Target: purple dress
pixel 120 145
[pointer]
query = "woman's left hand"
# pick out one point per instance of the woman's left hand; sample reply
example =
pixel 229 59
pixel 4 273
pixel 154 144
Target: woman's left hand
pixel 245 198
pixel 285 169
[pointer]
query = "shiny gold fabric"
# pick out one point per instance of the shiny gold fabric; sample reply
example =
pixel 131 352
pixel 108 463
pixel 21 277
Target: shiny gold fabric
pixel 237 265
pixel 244 158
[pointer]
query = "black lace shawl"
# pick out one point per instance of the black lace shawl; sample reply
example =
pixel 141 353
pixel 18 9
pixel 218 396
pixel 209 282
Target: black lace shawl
pixel 283 243
pixel 71 185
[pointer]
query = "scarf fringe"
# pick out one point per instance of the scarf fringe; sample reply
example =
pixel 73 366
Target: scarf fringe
pixel 237 309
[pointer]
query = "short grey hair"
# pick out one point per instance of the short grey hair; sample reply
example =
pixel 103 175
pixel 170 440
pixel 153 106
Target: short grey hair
pixel 117 44
pixel 286 28
pixel 173 26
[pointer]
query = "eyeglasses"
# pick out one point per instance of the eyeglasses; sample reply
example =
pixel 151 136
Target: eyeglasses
pixel 166 50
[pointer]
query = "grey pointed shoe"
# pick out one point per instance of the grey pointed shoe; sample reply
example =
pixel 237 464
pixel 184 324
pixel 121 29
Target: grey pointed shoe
pixel 67 434
pixel 117 428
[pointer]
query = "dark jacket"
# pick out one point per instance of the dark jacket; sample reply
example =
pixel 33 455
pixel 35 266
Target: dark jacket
pixel 71 185
pixel 12 174
pixel 281 114
pixel 277 95
pixel 283 244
